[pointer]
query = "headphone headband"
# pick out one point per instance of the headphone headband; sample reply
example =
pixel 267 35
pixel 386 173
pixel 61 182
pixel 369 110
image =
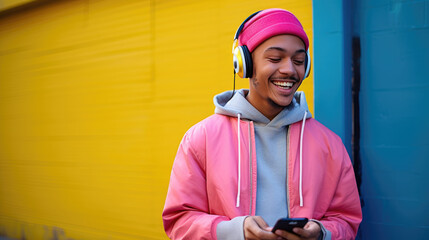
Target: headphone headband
pixel 242 25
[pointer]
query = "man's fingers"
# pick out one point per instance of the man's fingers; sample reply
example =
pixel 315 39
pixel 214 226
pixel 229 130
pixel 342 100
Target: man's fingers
pixel 311 230
pixel 287 235
pixel 261 222
pixel 303 232
pixel 256 228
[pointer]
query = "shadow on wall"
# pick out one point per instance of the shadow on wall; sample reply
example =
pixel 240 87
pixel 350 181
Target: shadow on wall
pixel 50 233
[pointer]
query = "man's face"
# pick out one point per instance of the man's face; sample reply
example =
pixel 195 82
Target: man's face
pixel 278 70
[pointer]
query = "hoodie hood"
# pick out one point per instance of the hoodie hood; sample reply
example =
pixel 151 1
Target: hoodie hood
pixel 238 104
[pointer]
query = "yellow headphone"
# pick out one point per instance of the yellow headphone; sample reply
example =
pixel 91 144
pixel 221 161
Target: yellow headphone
pixel 242 58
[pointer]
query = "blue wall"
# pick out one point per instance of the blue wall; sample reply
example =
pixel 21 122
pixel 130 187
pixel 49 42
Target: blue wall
pixel 332 64
pixel 394 117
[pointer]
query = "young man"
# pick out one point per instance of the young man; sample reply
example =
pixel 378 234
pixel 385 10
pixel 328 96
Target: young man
pixel 262 157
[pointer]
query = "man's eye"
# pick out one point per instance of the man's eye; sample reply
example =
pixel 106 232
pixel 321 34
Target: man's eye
pixel 298 62
pixel 274 59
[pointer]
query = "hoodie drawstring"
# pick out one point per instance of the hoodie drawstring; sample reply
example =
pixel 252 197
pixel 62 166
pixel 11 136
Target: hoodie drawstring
pixel 239 161
pixel 301 198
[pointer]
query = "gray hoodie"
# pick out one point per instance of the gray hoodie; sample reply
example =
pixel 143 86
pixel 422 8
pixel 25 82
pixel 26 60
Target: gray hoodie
pixel 270 140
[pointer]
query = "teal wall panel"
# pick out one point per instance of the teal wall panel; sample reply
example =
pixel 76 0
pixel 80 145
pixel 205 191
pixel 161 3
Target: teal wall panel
pixel 332 67
pixel 394 129
pixel 394 147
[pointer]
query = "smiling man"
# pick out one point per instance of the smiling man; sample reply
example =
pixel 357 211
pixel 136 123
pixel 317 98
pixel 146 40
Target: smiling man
pixel 261 156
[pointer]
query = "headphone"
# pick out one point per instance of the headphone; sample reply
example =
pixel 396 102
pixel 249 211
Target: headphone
pixel 242 58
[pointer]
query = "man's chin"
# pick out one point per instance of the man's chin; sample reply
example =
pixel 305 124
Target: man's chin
pixel 284 103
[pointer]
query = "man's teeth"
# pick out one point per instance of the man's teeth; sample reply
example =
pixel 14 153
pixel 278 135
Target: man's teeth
pixel 285 85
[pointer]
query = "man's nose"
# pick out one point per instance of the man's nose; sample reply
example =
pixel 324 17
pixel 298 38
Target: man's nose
pixel 287 67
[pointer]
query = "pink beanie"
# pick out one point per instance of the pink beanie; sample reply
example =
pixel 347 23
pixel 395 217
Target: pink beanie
pixel 269 23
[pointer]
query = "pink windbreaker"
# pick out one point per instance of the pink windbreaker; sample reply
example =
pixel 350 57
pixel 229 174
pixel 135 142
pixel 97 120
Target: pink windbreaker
pixel 206 184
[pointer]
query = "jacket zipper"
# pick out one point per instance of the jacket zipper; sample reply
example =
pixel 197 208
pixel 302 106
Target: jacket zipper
pixel 251 169
pixel 287 171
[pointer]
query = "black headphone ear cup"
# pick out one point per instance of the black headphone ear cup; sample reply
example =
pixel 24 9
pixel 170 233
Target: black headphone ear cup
pixel 307 64
pixel 306 61
pixel 248 61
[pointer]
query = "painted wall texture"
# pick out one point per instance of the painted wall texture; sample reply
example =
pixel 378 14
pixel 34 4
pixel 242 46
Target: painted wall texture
pixel 95 97
pixel 394 117
pixel 10 4
pixel 390 65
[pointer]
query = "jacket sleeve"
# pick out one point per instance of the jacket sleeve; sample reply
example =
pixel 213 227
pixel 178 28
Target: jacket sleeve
pixel 344 214
pixel 186 211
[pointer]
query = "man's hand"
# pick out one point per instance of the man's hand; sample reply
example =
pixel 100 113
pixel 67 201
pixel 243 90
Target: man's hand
pixel 310 231
pixel 256 228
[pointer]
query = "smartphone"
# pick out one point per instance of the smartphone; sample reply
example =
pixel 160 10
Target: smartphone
pixel 288 224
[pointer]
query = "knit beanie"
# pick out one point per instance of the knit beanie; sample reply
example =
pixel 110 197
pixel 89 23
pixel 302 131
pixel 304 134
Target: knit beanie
pixel 268 23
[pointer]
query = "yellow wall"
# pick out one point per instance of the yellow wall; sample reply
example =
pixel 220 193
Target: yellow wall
pixel 94 99
pixel 9 4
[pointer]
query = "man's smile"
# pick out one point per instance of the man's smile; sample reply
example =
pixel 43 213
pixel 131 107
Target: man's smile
pixel 283 84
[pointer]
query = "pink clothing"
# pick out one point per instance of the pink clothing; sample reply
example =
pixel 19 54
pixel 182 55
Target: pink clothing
pixel 203 183
pixel 268 23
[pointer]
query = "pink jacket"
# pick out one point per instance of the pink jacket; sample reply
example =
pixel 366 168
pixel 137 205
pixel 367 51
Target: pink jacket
pixel 205 179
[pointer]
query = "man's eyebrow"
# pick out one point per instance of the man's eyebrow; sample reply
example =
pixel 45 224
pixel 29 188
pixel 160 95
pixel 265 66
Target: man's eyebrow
pixel 275 48
pixel 284 50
